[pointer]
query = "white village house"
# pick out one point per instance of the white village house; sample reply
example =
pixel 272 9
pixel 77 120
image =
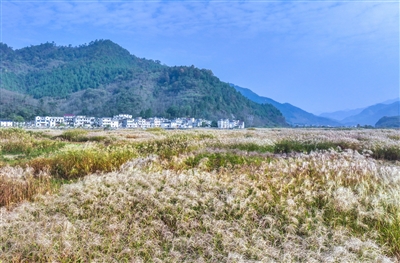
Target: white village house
pixel 108 122
pixel 84 121
pixel 126 121
pixel 48 122
pixel 129 123
pixel 228 124
pixel 6 123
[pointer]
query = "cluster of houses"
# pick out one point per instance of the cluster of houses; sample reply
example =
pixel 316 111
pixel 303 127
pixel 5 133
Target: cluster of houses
pixel 122 121
pixel 5 123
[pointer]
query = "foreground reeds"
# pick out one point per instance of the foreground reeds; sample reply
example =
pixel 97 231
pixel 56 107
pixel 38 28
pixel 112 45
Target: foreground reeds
pixel 217 196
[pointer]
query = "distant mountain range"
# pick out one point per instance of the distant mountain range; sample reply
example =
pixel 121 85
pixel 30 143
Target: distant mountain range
pixel 343 114
pixel 371 114
pixel 293 115
pixel 296 116
pixel 103 79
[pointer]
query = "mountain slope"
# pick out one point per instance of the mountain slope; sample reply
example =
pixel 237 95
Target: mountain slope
pixel 388 122
pixel 391 101
pixel 103 79
pixel 371 114
pixel 342 114
pixel 292 114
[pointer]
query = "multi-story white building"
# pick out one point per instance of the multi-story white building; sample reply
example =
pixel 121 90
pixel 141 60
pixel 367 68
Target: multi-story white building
pixel 129 123
pixel 47 121
pixel 143 123
pixel 84 121
pixel 227 124
pixel 223 124
pixel 40 121
pixel 121 117
pixel 69 119
pixel 108 122
pixel 155 122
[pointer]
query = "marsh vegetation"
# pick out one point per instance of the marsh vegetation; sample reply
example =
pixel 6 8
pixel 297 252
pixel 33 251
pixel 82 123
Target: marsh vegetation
pixel 259 195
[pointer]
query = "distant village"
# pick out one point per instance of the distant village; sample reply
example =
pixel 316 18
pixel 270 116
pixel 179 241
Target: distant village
pixel 123 121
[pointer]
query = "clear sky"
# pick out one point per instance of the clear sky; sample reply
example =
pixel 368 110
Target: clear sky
pixel 318 55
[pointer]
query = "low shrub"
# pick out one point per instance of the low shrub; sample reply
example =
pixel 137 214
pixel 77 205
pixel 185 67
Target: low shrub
pixel 215 161
pixel 75 135
pixel 97 139
pixel 30 148
pixel 12 133
pixel 252 147
pixel 288 146
pixel 78 163
pixel 387 153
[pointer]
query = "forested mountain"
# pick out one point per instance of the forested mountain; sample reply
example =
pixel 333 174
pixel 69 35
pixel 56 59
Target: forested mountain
pixel 102 79
pixel 292 114
pixel 388 122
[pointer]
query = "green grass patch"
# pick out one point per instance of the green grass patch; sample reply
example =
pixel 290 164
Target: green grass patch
pixel 215 161
pixel 80 135
pixel 76 135
pixel 252 147
pixel 78 163
pixel 288 146
pixel 388 230
pixel 32 148
pixel 389 153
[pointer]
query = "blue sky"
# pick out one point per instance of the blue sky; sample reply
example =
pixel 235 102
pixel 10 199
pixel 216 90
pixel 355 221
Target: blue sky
pixel 318 55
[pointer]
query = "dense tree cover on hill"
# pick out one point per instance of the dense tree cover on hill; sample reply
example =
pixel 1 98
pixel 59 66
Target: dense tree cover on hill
pixel 388 122
pixel 19 107
pixel 216 96
pixel 101 78
pixel 55 71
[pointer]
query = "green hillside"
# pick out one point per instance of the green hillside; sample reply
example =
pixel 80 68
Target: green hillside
pixel 101 79
pixel 388 122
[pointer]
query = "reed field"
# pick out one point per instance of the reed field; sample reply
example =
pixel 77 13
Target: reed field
pixel 255 195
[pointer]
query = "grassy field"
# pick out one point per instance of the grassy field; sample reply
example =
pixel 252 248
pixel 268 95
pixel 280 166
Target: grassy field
pixel 256 195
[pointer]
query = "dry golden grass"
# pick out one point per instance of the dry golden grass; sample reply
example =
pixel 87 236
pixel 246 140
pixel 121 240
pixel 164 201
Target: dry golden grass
pixel 216 196
pixel 17 185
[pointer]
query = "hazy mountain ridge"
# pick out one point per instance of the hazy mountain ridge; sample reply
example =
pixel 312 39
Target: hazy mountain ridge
pixel 371 114
pixel 296 116
pixel 103 79
pixel 342 114
pixel 292 114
